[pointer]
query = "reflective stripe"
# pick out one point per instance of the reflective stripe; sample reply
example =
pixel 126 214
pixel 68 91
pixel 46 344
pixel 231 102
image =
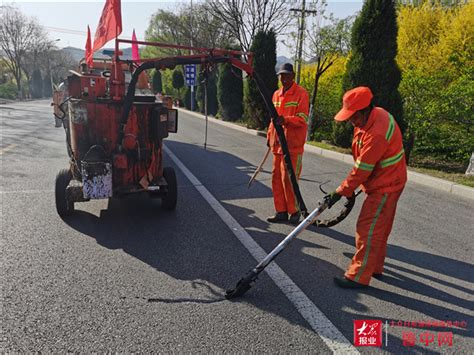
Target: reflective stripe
pixel 369 238
pixel 302 114
pixel 291 103
pixel 391 128
pixel 392 160
pixel 363 166
pixel 277 104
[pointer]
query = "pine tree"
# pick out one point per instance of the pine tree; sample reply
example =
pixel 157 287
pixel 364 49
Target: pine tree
pixel 157 82
pixel 264 49
pixel 178 80
pixel 211 92
pixel 372 62
pixel 230 92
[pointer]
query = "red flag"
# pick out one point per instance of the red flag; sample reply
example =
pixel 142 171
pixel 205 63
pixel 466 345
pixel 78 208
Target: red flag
pixel 110 24
pixel 135 54
pixel 89 54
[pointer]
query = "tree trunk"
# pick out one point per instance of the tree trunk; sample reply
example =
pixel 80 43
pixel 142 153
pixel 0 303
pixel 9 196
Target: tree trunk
pixel 409 143
pixel 312 105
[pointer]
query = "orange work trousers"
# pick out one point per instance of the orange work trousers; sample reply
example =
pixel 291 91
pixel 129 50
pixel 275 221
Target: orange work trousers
pixel 373 228
pixel 283 196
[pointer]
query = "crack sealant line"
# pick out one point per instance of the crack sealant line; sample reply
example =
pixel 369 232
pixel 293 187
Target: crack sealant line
pixel 323 327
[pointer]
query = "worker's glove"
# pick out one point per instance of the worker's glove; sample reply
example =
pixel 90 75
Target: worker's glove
pixel 280 120
pixel 332 198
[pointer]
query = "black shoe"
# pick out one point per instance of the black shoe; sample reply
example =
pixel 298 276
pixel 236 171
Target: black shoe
pixel 295 218
pixel 346 283
pixel 278 217
pixel 378 276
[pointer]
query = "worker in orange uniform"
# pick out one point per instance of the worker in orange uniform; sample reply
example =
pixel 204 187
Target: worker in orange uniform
pixel 380 169
pixel 291 103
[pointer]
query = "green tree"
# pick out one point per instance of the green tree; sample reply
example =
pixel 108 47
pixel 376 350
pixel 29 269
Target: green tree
pixel 436 54
pixel 211 92
pixel 36 84
pixel 8 91
pixel 264 49
pixel 157 83
pixel 326 45
pixel 178 80
pixel 165 27
pixel 329 97
pixel 187 97
pixel 372 61
pixel 230 92
pixel 19 35
pixel 196 26
pixel 440 117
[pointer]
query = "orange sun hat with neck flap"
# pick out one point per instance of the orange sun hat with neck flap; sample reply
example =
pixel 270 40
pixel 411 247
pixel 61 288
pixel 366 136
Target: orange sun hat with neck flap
pixel 354 100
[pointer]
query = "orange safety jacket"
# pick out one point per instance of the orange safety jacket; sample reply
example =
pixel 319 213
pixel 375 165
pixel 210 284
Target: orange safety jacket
pixel 379 157
pixel 293 105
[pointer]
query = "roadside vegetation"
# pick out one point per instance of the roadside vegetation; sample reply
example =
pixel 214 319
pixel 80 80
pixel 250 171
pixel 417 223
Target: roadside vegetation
pixel 421 69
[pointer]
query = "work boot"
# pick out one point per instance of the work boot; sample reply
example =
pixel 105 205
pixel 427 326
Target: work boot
pixel 344 282
pixel 278 217
pixel 295 218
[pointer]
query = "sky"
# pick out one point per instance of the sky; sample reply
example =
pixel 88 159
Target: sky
pixel 67 20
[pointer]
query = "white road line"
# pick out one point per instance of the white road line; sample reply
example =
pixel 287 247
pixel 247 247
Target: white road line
pixel 328 332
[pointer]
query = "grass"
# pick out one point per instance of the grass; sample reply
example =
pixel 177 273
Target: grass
pixel 457 178
pixel 328 146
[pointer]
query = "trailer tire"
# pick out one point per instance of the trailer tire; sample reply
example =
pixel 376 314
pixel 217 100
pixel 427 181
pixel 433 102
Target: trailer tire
pixel 63 206
pixel 169 201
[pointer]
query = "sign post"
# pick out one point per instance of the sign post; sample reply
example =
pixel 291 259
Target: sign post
pixel 190 76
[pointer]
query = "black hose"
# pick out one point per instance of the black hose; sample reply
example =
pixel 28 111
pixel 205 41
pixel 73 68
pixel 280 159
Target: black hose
pixel 331 222
pixel 165 63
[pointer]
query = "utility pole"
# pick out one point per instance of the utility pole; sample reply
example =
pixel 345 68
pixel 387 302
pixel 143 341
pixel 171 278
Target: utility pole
pixel 193 104
pixel 300 41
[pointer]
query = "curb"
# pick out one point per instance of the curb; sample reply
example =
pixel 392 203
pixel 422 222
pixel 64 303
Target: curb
pixel 422 179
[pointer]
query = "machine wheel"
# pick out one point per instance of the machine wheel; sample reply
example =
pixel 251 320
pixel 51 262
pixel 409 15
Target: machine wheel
pixel 169 200
pixel 63 207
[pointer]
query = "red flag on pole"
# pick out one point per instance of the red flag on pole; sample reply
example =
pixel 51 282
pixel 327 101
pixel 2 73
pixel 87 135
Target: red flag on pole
pixel 135 54
pixel 89 54
pixel 110 24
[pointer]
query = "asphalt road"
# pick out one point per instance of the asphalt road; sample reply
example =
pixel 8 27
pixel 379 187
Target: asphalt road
pixel 124 275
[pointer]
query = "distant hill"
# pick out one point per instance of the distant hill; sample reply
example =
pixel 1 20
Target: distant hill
pixel 282 59
pixel 77 54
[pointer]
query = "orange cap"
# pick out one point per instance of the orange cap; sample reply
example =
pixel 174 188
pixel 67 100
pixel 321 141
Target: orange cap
pixel 354 100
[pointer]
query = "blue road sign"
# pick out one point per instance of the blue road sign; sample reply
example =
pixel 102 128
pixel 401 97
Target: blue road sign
pixel 190 74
